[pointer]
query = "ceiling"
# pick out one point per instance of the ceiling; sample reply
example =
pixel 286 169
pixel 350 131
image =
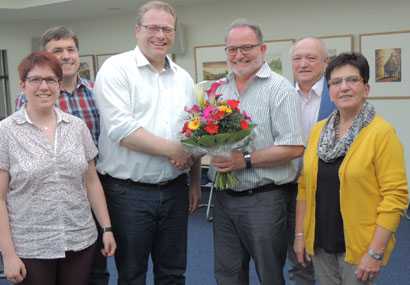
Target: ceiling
pixel 51 10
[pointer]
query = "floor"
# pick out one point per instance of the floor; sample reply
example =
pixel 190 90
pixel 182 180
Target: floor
pixel 200 252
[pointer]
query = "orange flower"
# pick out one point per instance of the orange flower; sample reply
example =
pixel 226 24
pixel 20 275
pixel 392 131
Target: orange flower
pixel 233 104
pixel 194 124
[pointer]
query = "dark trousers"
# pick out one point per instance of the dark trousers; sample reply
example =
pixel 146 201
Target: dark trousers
pixel 73 269
pixel 149 220
pixel 250 227
pixel 298 274
pixel 99 273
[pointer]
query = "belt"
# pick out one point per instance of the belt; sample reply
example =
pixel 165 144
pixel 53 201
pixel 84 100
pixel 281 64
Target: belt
pixel 260 189
pixel 180 178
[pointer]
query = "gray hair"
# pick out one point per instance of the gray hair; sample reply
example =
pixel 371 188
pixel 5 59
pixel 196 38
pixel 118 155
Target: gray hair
pixel 318 40
pixel 158 5
pixel 240 23
pixel 58 33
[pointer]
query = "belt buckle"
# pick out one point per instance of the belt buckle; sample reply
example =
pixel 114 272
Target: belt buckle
pixel 250 191
pixel 163 183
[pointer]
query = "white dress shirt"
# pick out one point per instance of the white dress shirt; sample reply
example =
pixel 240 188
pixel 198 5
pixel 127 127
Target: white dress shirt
pixel 131 94
pixel 310 106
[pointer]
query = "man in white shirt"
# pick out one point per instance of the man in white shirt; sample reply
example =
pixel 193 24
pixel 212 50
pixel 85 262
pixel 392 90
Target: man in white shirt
pixel 309 60
pixel 141 95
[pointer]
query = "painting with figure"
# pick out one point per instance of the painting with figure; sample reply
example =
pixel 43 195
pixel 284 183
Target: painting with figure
pixel 388 65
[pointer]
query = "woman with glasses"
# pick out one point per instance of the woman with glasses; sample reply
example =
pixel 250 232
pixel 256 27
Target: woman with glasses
pixel 48 185
pixel 353 186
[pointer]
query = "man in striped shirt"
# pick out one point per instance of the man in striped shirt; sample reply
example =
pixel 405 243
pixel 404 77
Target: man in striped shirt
pixel 76 98
pixel 250 220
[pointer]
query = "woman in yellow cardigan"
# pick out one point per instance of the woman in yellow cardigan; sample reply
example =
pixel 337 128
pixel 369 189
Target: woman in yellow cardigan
pixel 353 187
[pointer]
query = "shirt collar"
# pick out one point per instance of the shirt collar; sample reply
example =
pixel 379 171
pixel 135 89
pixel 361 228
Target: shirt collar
pixel 317 88
pixel 143 61
pixel 21 116
pixel 84 82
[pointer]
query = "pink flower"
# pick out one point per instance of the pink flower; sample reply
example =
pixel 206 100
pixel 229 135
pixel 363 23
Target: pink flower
pixel 207 113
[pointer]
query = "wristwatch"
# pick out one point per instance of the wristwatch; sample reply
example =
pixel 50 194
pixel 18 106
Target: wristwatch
pixel 106 229
pixel 248 161
pixel 375 255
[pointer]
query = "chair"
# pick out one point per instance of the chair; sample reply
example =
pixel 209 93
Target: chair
pixel 205 185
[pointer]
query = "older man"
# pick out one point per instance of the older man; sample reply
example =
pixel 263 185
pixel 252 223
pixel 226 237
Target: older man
pixel 77 98
pixel 250 220
pixel 309 60
pixel 141 95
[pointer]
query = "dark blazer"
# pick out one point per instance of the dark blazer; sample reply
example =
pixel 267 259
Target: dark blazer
pixel 326 105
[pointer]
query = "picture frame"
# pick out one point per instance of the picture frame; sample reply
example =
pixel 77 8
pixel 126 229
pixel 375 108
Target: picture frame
pixel 337 44
pixel 101 58
pixel 388 54
pixel 87 67
pixel 210 60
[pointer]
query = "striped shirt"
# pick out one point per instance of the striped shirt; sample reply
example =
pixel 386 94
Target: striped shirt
pixel 271 102
pixel 80 103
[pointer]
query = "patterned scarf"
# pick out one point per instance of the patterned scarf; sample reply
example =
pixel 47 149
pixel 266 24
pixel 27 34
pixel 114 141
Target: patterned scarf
pixel 330 148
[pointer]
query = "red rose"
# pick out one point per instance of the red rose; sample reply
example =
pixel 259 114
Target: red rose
pixel 211 128
pixel 244 124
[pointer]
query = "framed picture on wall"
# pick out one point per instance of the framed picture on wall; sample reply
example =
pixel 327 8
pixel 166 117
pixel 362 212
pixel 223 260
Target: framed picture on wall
pixel 338 44
pixel 210 60
pixel 87 67
pixel 389 59
pixel 101 58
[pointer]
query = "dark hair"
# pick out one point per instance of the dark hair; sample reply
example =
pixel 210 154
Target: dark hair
pixel 354 59
pixel 58 33
pixel 241 23
pixel 158 5
pixel 40 58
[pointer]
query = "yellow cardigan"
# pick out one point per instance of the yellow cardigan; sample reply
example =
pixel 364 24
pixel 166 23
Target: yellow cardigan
pixel 373 187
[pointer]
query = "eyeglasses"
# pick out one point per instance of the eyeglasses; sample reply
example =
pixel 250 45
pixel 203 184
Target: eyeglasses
pixel 152 29
pixel 36 81
pixel 245 49
pixel 349 80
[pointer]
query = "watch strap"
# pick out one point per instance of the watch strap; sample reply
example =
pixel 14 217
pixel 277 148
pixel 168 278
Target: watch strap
pixel 375 255
pixel 106 229
pixel 248 159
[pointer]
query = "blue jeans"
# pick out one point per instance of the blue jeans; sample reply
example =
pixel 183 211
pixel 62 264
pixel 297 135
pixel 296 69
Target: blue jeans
pixel 149 220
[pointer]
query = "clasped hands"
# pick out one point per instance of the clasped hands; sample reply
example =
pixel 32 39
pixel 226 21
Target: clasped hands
pixel 179 157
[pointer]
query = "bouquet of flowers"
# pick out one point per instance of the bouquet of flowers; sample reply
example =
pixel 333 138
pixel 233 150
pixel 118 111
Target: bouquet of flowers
pixel 216 127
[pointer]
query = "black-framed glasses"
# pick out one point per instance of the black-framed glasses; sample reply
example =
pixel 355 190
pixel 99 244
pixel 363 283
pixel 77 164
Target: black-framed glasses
pixel 244 49
pixel 36 81
pixel 349 80
pixel 155 29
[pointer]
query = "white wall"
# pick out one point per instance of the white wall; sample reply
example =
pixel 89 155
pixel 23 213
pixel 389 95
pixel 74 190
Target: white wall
pixel 16 39
pixel 204 25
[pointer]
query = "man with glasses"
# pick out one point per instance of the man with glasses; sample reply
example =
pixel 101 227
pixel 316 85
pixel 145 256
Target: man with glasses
pixel 309 60
pixel 250 219
pixel 141 95
pixel 77 98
